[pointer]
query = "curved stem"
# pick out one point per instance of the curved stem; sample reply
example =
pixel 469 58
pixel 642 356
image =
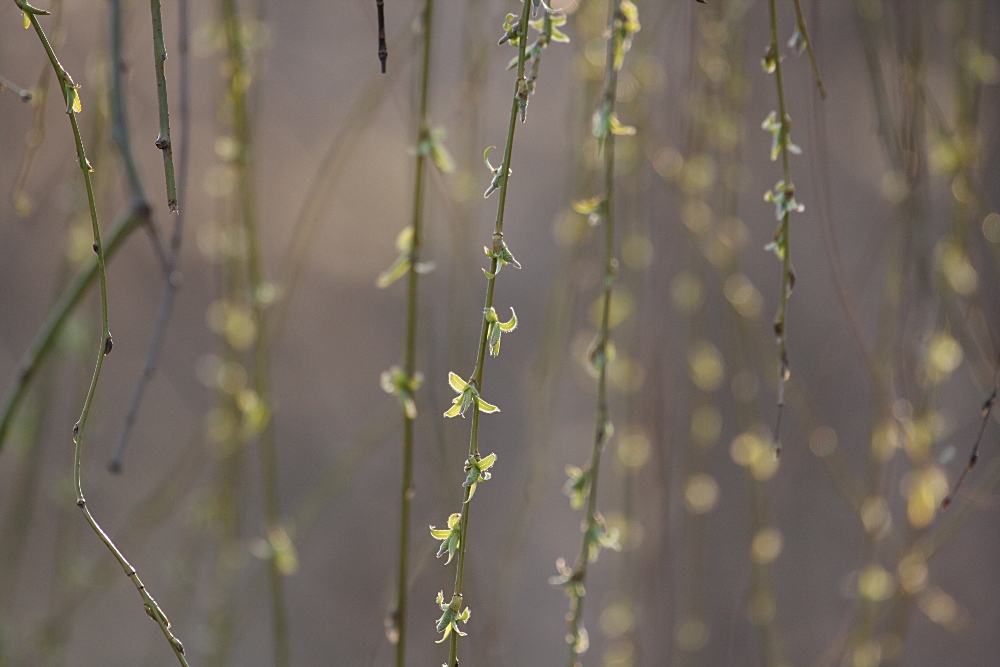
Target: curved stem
pixel 72 108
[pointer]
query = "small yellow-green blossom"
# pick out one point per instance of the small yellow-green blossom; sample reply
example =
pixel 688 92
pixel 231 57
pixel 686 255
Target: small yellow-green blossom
pixel 780 133
pixel 783 198
pixel 399 268
pixel 467 395
pixel 600 536
pixel 395 381
pixel 577 486
pixel 568 579
pixel 497 328
pixel 626 25
pixel 503 256
pixel 451 537
pixel 448 622
pixel 433 145
pixel 478 471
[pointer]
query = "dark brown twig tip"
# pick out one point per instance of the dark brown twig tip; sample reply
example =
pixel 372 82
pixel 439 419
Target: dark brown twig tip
pixel 173 207
pixel 946 502
pixel 115 467
pixel 383 50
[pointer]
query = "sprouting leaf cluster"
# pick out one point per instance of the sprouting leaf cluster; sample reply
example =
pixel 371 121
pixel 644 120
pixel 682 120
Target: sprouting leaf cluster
pixel 448 622
pixel 467 395
pixel 395 381
pixel 399 268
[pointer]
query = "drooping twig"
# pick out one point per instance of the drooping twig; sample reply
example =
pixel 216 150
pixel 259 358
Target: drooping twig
pixel 171 280
pixel 783 197
pixel 23 93
pixel 405 383
pixel 455 536
pixel 622 24
pixel 974 456
pixel 238 76
pixel 383 50
pixel 163 139
pixel 73 107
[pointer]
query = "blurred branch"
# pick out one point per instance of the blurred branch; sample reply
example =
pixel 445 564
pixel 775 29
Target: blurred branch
pixel 172 277
pixel 23 93
pixel 44 340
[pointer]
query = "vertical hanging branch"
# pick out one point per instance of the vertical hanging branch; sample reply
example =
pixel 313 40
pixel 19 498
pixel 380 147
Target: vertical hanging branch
pixel 404 382
pixel 71 97
pixel 383 50
pixel 454 537
pixel 171 277
pixel 623 23
pixel 163 140
pixel 282 559
pixel 783 198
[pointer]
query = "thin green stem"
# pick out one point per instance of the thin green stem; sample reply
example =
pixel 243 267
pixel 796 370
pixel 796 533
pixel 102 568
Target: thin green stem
pixel 171 277
pixel 72 108
pixel 607 145
pixel 519 97
pixel 163 139
pixel 410 363
pixel 238 85
pixel 801 24
pixel 787 275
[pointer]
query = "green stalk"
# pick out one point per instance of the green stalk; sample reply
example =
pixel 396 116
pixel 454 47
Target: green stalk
pixel 163 139
pixel 72 108
pixel 410 362
pixel 239 81
pixel 477 375
pixel 607 144
pixel 787 275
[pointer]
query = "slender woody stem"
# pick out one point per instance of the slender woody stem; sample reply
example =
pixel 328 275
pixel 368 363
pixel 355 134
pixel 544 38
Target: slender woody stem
pixel 410 363
pixel 163 139
pixel 787 276
pixel 171 278
pixel 575 617
pixel 801 23
pixel 477 375
pixel 71 98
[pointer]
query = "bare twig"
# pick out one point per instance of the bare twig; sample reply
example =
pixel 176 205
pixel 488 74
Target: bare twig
pixel 172 278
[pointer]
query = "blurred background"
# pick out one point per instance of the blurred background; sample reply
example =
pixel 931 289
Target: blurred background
pixel 834 554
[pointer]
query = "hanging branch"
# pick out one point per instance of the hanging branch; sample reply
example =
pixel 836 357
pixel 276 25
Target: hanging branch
pixel 163 139
pixel 172 277
pixel 404 382
pixel 454 536
pixel 623 23
pixel 73 107
pixel 783 198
